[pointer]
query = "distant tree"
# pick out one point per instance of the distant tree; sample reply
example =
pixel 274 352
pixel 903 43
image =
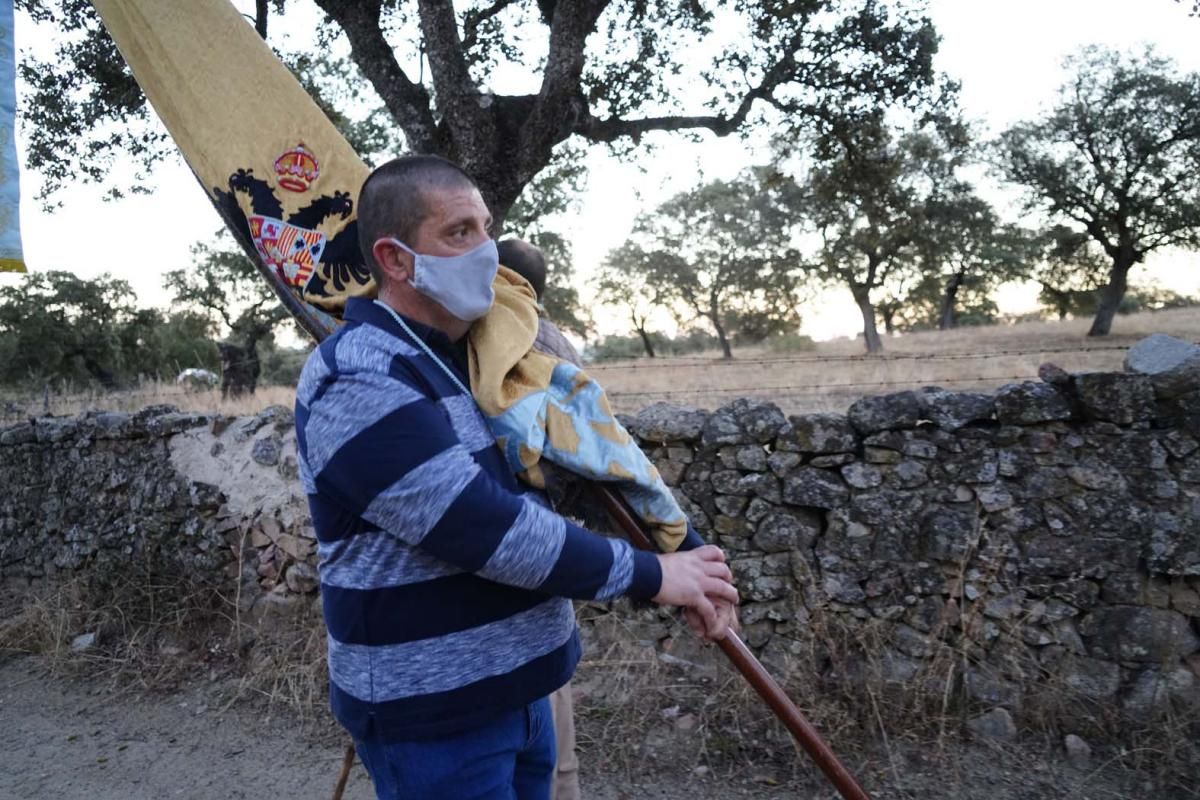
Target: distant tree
pixel 552 194
pixel 55 326
pixel 1118 157
pixel 281 366
pixel 606 72
pixel 719 254
pixel 624 281
pixel 1071 269
pixel 868 196
pixel 225 287
pixel 923 306
pixel 163 344
pixel 968 253
pixel 625 347
pixel 1155 298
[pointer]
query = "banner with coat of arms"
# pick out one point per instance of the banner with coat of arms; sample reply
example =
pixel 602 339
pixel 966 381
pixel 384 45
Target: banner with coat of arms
pixel 277 169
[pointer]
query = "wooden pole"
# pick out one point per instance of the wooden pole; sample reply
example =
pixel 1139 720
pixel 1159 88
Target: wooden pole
pixel 753 671
pixel 347 762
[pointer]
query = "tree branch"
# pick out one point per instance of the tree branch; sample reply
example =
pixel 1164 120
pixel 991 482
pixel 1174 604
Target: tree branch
pixel 260 17
pixel 459 100
pixel 613 128
pixel 560 104
pixel 475 18
pixel 222 312
pixel 407 102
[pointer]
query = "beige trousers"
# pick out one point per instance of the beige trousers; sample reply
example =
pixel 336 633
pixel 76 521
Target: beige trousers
pixel 566 772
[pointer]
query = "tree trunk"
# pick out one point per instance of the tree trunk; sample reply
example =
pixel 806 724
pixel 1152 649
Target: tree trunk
pixel 726 352
pixel 239 368
pixel 888 315
pixel 1111 297
pixel 103 376
pixel 946 319
pixel 260 17
pixel 870 332
pixel 646 341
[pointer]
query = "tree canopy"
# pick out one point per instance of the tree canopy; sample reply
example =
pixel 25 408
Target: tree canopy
pixel 1117 159
pixel 966 253
pixel 631 290
pixel 59 328
pixel 545 200
pixel 718 254
pixel 868 196
pixel 598 70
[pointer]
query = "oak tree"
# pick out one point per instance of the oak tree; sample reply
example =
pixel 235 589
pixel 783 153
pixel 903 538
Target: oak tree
pixel 966 253
pixel 720 254
pixel 868 196
pixel 604 71
pixel 56 327
pixel 1117 158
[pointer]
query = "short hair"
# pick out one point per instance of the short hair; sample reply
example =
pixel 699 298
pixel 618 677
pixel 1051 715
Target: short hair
pixel 392 200
pixel 526 260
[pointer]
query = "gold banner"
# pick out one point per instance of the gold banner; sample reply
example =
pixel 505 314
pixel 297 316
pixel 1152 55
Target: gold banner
pixel 274 164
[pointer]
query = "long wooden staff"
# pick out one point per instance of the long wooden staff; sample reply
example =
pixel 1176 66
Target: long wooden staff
pixel 752 670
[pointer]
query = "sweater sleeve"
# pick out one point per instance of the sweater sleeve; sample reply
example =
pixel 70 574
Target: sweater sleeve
pixel 692 540
pixel 383 450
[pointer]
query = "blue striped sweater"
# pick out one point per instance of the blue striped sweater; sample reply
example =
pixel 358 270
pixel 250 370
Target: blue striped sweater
pixel 443 585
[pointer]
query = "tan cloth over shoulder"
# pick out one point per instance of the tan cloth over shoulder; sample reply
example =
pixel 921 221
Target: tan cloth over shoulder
pixel 541 407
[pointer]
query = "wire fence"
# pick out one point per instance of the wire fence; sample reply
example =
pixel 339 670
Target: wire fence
pixel 809 383
pixel 19 406
pixel 862 358
pixel 825 388
pixel 792 395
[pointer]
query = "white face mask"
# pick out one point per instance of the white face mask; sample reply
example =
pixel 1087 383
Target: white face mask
pixel 462 284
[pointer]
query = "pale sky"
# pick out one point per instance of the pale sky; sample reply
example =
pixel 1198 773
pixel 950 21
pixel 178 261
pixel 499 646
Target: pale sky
pixel 1006 53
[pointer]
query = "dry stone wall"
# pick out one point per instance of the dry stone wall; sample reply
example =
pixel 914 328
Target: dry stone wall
pixel 196 498
pixel 1044 535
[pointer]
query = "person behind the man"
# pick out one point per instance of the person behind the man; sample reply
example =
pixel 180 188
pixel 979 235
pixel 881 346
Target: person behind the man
pixel 444 587
pixel 529 262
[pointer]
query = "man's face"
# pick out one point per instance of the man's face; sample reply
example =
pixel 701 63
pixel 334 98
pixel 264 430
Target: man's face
pixel 457 221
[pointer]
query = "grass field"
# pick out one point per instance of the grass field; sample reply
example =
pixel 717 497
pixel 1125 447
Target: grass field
pixel 834 374
pixel 827 378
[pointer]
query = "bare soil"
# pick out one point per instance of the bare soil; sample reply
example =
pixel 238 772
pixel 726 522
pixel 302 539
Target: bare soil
pixel 72 738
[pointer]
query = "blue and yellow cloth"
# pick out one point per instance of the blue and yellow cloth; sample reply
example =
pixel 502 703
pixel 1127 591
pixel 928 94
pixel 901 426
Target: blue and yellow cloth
pixel 540 407
pixel 11 257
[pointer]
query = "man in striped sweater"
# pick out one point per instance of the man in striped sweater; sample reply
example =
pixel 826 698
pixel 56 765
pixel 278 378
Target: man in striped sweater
pixel 446 588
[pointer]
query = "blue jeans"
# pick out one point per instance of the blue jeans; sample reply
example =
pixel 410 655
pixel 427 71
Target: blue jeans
pixel 511 758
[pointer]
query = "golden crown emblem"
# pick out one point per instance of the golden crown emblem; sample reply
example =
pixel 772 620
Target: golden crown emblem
pixel 297 169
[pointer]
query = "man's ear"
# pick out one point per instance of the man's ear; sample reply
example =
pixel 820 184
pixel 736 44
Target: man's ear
pixel 393 261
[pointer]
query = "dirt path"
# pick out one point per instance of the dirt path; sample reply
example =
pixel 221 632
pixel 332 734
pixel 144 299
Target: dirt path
pixel 67 740
pixel 71 739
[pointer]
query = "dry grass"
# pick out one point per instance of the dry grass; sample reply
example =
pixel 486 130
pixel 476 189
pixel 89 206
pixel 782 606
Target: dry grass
pixel 156 629
pixel 638 715
pixel 156 633
pixel 836 373
pixel 828 378
pixel 15 406
pixel 143 622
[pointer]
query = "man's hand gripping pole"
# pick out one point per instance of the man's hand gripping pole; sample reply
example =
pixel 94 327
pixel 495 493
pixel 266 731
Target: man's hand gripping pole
pixel 752 670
